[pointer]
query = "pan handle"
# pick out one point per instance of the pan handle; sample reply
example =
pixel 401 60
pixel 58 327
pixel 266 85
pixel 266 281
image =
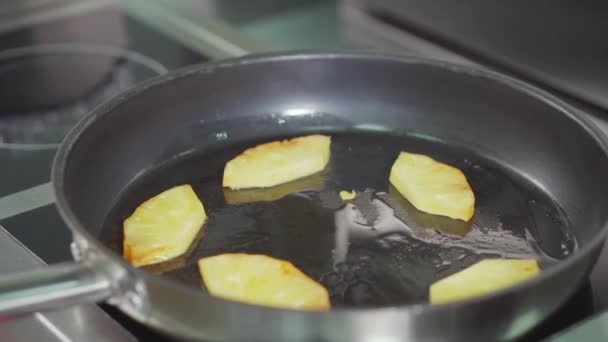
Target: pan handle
pixel 53 287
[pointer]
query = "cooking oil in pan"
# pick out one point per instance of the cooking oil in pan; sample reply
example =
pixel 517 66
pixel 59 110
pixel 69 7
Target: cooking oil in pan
pixel 375 250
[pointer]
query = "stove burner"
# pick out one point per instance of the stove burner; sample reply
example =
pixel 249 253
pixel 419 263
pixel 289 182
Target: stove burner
pixel 46 89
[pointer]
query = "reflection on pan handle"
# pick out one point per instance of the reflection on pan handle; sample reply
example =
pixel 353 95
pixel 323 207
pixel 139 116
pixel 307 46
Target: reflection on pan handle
pixel 53 287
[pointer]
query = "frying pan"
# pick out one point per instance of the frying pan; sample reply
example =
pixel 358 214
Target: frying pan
pixel 535 166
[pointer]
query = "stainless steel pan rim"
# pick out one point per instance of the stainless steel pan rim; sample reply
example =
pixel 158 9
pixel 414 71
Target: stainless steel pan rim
pixel 72 137
pixel 125 286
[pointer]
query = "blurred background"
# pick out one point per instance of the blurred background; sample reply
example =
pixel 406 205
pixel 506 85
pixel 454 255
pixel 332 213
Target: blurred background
pixel 61 58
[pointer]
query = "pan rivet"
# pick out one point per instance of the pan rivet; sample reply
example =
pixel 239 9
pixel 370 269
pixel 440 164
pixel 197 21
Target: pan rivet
pixel 135 296
pixel 133 299
pixel 76 251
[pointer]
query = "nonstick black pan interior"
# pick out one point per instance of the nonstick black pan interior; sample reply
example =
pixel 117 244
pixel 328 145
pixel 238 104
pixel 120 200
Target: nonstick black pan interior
pixel 376 251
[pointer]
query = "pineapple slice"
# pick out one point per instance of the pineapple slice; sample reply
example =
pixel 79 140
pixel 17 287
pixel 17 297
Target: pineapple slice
pixel 416 218
pixel 348 195
pixel 163 227
pixel 433 187
pixel 481 278
pixel 277 162
pixel 315 182
pixel 262 280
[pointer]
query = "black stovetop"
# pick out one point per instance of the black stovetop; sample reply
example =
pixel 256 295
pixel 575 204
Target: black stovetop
pixel 27 147
pixel 113 60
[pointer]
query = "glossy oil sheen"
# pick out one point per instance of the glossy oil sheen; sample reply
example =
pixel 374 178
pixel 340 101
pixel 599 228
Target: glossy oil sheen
pixel 376 250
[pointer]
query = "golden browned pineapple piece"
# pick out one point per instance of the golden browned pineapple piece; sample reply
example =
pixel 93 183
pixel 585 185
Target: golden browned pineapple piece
pixel 433 187
pixel 314 182
pixel 483 277
pixel 262 280
pixel 277 162
pixel 163 227
pixel 419 218
pixel 348 195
